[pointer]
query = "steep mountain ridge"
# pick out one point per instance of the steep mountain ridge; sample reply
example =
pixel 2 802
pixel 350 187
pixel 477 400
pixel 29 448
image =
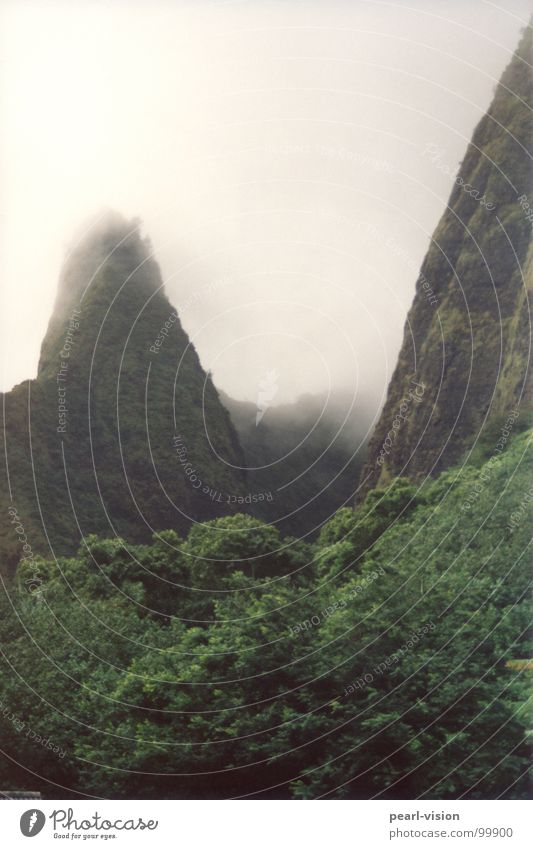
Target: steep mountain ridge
pixel 468 348
pixel 122 430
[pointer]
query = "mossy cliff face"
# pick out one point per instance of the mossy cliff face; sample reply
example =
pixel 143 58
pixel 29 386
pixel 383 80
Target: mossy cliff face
pixel 120 431
pixel 464 361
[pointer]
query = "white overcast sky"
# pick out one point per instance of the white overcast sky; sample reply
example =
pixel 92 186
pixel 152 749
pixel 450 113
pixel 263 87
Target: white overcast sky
pixel 256 141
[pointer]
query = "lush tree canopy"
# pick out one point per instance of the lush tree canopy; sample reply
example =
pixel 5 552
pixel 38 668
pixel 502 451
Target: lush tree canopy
pixel 382 661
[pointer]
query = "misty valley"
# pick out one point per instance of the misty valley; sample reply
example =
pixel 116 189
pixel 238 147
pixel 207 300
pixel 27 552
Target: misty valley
pixel 209 596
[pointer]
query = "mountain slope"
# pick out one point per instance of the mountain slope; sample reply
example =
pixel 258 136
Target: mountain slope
pixel 466 349
pixel 121 431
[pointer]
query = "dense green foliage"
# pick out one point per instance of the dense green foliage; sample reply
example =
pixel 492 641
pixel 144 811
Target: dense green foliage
pixel 380 661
